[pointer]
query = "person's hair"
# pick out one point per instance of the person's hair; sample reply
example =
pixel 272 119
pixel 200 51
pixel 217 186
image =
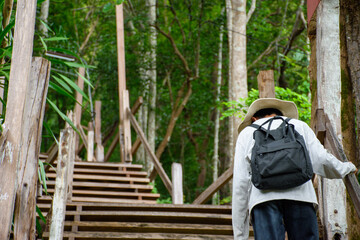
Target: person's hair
pixel 267 111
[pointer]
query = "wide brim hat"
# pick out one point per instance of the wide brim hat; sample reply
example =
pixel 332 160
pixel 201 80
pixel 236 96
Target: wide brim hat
pixel 287 108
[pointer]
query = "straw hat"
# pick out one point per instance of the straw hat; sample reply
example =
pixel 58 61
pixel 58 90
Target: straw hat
pixel 287 109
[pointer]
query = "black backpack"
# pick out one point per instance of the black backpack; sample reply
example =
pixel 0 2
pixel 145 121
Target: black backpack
pixel 279 158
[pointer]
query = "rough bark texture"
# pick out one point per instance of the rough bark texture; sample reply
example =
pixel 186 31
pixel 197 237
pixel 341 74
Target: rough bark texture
pixel 349 22
pixel 238 65
pixel 151 75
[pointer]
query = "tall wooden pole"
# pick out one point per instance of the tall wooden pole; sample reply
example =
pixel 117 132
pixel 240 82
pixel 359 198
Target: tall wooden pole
pixel 124 134
pixel 19 78
pixel 332 196
pixel 77 109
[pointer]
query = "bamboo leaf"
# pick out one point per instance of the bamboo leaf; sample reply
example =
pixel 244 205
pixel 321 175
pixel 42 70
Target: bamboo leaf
pixel 56 39
pixel 43 43
pixel 85 79
pixel 50 131
pixel 63 84
pixel 42 176
pixel 45 24
pixel 40 214
pixel 6 30
pixel 77 65
pixel 62 115
pixel 74 85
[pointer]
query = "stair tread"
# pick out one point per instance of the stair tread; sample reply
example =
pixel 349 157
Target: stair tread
pixel 105 172
pixel 103 178
pixel 106 185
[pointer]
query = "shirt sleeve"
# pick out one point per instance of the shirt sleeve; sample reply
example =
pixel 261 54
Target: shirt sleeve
pixel 323 162
pixel 241 189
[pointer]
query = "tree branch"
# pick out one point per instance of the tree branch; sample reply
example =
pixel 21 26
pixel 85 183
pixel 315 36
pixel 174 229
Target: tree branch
pixel 251 10
pixel 177 52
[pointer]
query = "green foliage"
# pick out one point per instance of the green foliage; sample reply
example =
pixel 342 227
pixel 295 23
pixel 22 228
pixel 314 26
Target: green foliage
pixel 239 108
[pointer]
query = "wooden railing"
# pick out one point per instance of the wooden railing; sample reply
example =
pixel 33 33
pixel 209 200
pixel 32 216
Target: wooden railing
pixel 326 133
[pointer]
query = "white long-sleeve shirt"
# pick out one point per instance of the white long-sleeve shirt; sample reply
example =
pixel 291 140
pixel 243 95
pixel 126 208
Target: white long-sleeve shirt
pixel 246 195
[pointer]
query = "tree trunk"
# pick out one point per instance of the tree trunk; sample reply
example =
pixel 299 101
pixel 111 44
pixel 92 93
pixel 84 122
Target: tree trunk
pixel 44 13
pixel 238 54
pixel 350 35
pixel 151 75
pixel 215 199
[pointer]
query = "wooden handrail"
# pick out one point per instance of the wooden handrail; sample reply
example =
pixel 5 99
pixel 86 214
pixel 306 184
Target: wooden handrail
pixel 152 155
pixel 214 187
pixel 325 132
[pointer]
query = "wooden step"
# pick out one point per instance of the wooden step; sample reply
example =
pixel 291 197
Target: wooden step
pixel 91 178
pixel 105 185
pixel 106 172
pixel 132 235
pixel 106 165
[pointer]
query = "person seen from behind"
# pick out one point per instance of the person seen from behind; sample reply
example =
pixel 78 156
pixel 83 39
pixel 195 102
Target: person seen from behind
pixel 275 211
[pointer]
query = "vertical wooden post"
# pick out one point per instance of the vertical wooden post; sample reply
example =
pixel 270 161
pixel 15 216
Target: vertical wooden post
pixel 71 160
pixel 125 157
pixel 77 109
pixel 177 183
pixel 332 194
pixel 2 82
pixel 24 218
pixel 99 147
pixel 19 78
pixel 127 130
pixel 90 142
pixel 65 157
pixel 266 84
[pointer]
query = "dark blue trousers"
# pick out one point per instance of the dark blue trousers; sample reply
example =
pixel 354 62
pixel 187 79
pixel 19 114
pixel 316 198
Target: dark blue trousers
pixel 271 219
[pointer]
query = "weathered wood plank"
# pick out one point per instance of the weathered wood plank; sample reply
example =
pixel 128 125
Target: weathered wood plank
pixel 177 182
pixel 14 119
pixel 266 84
pixel 99 151
pixel 60 195
pixel 107 172
pixel 104 178
pixel 24 218
pixel 104 193
pixel 110 200
pixel 214 187
pixel 153 157
pixel 142 187
pixel 156 236
pixel 78 107
pixel 90 143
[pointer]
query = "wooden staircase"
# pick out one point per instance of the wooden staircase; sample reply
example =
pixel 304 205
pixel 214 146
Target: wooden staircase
pixel 115 201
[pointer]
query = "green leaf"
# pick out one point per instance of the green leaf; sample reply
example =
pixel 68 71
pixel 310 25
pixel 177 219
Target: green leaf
pixel 107 7
pixel 38 211
pixel 85 79
pixel 78 65
pixel 50 131
pixel 63 84
pixel 42 176
pixel 6 30
pixel 43 43
pixel 56 39
pixel 62 115
pixel 45 24
pixel 74 85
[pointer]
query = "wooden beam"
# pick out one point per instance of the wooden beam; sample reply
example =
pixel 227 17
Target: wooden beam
pixel 24 219
pixel 177 183
pixel 152 155
pixel 135 146
pixel 137 105
pixel 51 156
pixel 78 103
pixel 214 187
pixel 266 84
pixel 127 129
pixel 66 155
pixel 111 148
pixel 121 78
pixel 18 82
pixel 90 143
pixel 99 147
